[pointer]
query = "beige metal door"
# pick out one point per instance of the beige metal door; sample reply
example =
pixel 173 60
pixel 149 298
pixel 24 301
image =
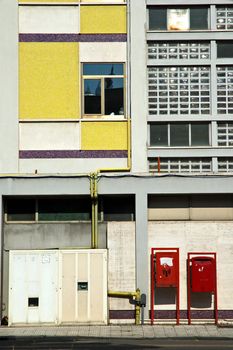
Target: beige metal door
pixel 83 286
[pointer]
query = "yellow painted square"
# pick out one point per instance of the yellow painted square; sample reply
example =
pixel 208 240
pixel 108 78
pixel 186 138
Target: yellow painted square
pixel 48 81
pixel 99 19
pixel 104 135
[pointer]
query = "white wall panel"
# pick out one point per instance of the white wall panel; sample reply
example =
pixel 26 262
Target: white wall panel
pixel 121 266
pixel 49 136
pixel 102 52
pixel 48 19
pixel 69 165
pixel 197 236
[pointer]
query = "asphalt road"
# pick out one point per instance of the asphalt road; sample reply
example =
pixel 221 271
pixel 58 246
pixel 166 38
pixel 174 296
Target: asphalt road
pixel 39 343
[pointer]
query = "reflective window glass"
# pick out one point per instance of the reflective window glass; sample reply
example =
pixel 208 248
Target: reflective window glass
pixel 158 135
pixel 198 17
pixel 225 49
pixel 157 18
pixel 103 69
pixel 200 134
pixel 114 96
pixel 92 96
pixel 179 135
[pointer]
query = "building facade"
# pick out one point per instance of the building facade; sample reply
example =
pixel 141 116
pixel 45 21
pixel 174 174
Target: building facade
pixel 116 137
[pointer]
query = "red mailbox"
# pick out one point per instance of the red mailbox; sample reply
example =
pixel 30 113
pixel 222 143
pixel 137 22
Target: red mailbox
pixel 167 269
pixel 203 274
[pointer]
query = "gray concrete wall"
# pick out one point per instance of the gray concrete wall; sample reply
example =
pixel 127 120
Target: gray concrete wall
pixel 9 86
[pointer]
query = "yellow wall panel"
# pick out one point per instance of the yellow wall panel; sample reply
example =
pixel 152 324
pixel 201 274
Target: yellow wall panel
pixel 104 135
pixel 103 19
pixel 49 81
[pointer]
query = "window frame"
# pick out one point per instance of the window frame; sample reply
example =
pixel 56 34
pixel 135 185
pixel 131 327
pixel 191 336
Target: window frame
pixel 179 7
pixel 102 78
pixel 189 134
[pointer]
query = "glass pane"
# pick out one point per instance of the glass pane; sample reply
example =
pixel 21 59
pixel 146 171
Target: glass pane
pixel 179 134
pixel 158 135
pixel 178 19
pixel 64 209
pixel 103 69
pixel 92 96
pixel 157 18
pixel 224 49
pixel 20 209
pixel 114 96
pixel 198 17
pixel 119 208
pixel 200 134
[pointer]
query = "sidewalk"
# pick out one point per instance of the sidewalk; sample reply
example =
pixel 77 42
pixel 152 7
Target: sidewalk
pixel 121 331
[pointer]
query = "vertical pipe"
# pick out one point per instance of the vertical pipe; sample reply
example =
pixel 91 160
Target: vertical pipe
pixel 216 292
pixel 137 308
pixel 152 288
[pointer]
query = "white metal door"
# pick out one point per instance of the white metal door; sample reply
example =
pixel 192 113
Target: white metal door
pixel 33 287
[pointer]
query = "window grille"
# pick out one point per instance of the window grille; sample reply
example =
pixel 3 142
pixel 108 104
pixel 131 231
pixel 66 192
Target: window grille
pixel 178 50
pixel 183 165
pixel 225 165
pixel 225 134
pixel 224 18
pixel 179 90
pixel 225 89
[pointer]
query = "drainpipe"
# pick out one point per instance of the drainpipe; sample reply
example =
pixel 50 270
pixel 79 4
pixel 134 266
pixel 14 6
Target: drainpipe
pixel 136 301
pixel 94 210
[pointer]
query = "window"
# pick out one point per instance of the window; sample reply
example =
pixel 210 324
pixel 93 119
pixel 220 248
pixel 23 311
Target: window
pixel 182 165
pixel 225 165
pixel 118 208
pixel 179 134
pixel 103 87
pixel 225 89
pixel 48 209
pixel 225 49
pixel 178 50
pixel 225 134
pixel 182 18
pixel 20 209
pixel 179 90
pixel 225 18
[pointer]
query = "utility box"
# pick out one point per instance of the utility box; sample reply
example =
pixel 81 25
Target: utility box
pixel 203 274
pixel 167 268
pixel 83 285
pixel 33 287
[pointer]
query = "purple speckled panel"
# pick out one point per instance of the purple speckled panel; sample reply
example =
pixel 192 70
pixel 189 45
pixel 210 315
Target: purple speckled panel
pixel 171 314
pixel 72 37
pixel 72 154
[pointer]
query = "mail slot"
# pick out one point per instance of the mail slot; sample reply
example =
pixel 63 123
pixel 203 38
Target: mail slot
pixel 203 274
pixel 166 269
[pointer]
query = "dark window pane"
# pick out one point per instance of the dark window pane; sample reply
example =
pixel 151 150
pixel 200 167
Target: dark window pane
pixel 157 18
pixel 200 134
pixel 114 96
pixel 198 17
pixel 20 209
pixel 118 208
pixel 179 134
pixel 158 135
pixel 225 49
pixel 92 96
pixel 103 69
pixel 64 209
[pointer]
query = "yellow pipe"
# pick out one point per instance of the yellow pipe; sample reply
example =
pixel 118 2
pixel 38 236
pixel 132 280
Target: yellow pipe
pixel 137 296
pixel 94 210
pixel 128 168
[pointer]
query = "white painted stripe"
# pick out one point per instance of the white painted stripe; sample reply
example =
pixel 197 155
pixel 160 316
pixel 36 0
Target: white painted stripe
pixel 49 136
pixel 102 52
pixel 48 19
